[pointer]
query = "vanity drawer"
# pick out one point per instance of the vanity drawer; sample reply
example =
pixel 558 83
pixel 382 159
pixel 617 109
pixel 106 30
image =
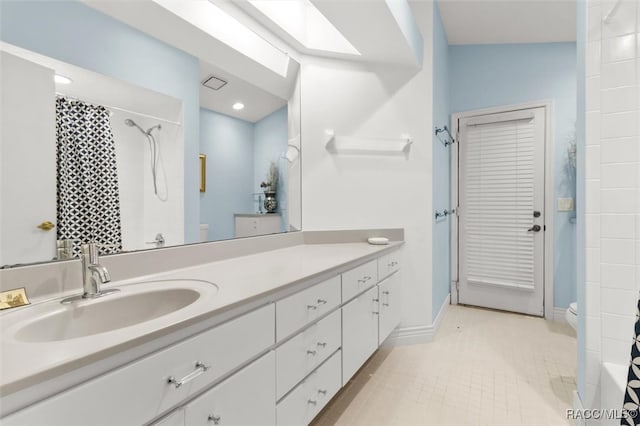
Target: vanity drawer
pixel 310 396
pixel 298 310
pixel 300 355
pixel 140 391
pixel 248 398
pixel 388 264
pixel 359 279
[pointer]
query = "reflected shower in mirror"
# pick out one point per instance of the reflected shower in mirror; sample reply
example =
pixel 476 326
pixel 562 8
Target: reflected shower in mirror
pixel 90 157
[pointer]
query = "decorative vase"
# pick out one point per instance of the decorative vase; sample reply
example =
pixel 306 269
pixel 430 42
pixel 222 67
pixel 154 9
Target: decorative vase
pixel 270 202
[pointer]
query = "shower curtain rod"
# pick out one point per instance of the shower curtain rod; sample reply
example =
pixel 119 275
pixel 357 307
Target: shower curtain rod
pixel 111 108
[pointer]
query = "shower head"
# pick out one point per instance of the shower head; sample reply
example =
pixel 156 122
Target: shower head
pixel 129 122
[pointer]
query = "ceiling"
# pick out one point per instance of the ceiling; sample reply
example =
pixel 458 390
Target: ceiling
pixel 96 88
pixel 508 21
pixel 258 103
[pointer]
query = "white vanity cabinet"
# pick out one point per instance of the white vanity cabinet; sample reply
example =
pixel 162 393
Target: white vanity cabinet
pixel 142 390
pixel 388 264
pixel 303 353
pixel 251 225
pixel 247 398
pixel 304 307
pixel 389 293
pixel 307 399
pixel 359 332
pixel 359 279
pixel 276 365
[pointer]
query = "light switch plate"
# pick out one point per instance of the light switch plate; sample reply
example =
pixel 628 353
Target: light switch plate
pixel 565 205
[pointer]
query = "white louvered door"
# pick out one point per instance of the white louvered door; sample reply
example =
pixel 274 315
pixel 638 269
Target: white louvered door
pixel 501 222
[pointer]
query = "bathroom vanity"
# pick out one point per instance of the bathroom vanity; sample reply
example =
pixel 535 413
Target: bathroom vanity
pixel 282 332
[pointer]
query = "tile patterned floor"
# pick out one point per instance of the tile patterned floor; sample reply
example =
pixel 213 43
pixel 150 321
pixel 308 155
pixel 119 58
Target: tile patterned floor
pixel 483 368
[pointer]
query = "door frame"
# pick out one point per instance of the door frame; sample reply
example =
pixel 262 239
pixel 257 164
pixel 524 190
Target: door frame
pixel 549 196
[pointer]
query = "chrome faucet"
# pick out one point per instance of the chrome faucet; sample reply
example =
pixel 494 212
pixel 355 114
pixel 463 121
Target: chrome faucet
pixel 93 275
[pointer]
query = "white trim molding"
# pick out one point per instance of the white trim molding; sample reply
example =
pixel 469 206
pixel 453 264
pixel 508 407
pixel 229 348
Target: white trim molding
pixel 419 333
pixel 559 315
pixel 549 200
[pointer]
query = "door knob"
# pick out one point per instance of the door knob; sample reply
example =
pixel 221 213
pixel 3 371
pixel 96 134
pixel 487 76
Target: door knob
pixel 46 226
pixel 535 228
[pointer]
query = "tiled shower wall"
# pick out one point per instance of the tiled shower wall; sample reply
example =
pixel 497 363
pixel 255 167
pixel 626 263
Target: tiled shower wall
pixel 612 184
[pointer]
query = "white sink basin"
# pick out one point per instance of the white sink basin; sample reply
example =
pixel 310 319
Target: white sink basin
pixel 135 304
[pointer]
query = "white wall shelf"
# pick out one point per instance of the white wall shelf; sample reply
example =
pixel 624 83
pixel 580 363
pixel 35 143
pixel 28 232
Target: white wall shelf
pixel 358 145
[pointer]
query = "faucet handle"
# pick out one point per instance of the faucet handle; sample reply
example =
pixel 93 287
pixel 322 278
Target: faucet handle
pixel 92 250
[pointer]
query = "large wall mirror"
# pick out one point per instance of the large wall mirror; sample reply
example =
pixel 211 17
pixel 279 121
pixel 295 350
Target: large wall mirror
pixel 89 156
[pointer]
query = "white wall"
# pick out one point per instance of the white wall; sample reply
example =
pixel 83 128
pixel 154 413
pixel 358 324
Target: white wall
pixel 143 214
pixel 27 161
pixel 373 191
pixel 294 173
pixel 612 187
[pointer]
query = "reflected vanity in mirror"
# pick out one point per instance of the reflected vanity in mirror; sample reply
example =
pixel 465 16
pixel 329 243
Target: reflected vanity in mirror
pixel 87 157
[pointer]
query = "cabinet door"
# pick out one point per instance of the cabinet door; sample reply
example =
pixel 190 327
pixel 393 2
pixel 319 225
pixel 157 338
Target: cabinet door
pixel 248 398
pixel 268 224
pixel 389 291
pixel 359 332
pixel 142 390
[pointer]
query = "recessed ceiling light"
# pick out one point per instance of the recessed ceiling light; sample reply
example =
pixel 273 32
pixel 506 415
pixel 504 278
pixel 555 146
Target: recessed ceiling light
pixel 238 106
pixel 62 79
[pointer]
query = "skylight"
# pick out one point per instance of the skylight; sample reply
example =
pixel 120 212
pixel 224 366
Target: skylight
pixel 305 23
pixel 224 27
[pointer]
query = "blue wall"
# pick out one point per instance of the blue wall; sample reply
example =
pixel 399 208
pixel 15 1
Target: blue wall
pixel 270 141
pixel 228 144
pixel 239 154
pixel 75 33
pixel 485 76
pixel 441 167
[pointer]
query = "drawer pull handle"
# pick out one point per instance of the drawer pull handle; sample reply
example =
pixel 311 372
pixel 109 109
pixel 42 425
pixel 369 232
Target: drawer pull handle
pixel 322 344
pixel 313 307
pixel 313 401
pixel 310 352
pixel 385 293
pixel 394 263
pixel 321 301
pixel 362 281
pixel 367 278
pixel 375 313
pixel 322 391
pixel 200 368
pixel 215 419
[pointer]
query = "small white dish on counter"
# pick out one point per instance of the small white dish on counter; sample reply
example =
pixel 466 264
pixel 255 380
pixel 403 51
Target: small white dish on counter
pixel 378 241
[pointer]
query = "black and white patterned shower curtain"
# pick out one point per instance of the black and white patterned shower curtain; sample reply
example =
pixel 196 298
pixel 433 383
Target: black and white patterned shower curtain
pixel 632 395
pixel 87 188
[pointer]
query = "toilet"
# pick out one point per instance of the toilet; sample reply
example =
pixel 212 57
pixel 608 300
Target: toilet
pixel 572 315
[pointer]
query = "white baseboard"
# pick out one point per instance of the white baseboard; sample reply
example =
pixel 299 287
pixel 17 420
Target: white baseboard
pixel 559 314
pixel 419 333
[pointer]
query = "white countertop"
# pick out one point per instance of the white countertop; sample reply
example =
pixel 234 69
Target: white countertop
pixel 240 280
